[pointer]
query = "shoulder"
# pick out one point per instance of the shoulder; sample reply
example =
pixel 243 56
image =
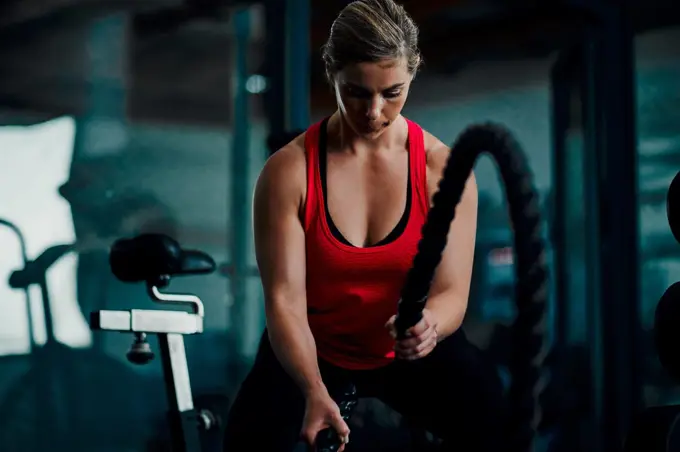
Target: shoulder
pixel 437 155
pixel 289 157
pixel 284 173
pixel 436 152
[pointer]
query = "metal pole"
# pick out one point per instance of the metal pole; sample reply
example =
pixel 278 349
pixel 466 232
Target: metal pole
pixel 240 205
pixel 593 242
pixel 181 413
pixel 560 123
pixel 612 61
pixel 297 67
pixel 275 96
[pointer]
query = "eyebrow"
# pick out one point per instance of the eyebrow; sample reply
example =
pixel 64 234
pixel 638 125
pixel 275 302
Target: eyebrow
pixel 389 88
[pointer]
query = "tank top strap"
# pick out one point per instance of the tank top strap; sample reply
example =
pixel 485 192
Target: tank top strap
pixel 313 197
pixel 418 166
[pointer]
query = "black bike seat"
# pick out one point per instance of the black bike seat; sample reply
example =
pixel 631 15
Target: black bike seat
pixel 150 257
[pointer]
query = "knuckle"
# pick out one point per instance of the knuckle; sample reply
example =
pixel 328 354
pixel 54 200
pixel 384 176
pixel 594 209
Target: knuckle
pixel 424 352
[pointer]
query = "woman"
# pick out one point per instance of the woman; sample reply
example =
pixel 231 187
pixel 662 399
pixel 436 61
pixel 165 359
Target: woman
pixel 333 262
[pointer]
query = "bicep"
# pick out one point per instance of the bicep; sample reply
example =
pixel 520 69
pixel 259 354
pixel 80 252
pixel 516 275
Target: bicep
pixel 455 269
pixel 279 240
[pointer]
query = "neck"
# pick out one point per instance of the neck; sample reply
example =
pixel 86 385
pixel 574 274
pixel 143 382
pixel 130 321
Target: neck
pixel 347 139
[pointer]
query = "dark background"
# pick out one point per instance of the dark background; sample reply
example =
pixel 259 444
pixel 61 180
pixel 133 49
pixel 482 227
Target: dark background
pixel 119 117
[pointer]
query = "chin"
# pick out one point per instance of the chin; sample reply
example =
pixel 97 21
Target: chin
pixel 371 133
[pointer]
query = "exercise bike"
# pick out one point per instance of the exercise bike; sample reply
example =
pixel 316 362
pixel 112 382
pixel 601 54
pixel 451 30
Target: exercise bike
pixel 154 259
pixel 54 401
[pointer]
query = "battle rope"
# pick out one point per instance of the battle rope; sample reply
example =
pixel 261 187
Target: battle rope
pixel 531 290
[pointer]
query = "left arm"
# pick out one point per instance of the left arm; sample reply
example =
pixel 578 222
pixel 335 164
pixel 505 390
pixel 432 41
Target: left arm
pixel 448 297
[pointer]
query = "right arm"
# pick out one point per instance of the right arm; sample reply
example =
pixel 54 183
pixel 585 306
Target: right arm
pixel 280 250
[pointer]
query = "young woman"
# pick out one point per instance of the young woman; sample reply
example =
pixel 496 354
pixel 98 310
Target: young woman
pixel 338 214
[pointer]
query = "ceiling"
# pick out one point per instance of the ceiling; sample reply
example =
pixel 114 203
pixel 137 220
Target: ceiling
pixel 182 69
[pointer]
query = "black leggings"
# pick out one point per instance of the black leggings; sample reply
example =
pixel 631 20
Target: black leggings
pixel 454 393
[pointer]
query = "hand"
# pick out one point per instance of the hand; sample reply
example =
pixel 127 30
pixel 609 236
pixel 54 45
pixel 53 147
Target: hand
pixel 420 339
pixel 322 412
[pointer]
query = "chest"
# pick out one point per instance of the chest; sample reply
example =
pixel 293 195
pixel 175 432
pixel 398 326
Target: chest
pixel 344 269
pixel 367 198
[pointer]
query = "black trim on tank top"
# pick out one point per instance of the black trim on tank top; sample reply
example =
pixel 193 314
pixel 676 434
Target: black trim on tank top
pixel 403 222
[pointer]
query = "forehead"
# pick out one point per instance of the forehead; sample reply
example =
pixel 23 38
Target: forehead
pixel 377 75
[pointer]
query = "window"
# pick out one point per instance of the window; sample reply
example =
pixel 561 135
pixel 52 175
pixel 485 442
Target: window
pixel 36 160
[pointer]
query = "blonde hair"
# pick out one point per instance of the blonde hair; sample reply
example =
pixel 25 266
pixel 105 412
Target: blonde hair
pixel 371 31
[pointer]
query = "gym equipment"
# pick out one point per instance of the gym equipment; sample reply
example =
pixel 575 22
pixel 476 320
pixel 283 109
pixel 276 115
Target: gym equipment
pixel 24 260
pixel 666 335
pixel 673 207
pixel 46 372
pixel 531 291
pixel 212 407
pixel 657 429
pixel 154 259
pixel 34 272
pixel 346 398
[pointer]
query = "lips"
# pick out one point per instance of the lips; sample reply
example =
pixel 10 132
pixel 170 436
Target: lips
pixel 370 127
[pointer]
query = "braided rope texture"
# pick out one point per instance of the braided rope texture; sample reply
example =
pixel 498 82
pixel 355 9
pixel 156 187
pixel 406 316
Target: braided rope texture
pixel 531 291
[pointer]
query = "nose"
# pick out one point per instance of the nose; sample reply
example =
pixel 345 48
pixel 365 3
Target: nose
pixel 374 108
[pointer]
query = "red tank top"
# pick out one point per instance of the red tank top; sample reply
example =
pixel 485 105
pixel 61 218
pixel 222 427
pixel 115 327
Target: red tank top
pixel 352 292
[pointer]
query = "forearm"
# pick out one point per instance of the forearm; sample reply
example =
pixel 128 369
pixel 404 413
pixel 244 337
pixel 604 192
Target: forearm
pixel 449 310
pixel 294 346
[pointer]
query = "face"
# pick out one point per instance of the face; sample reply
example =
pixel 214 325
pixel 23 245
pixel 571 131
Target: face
pixel 371 95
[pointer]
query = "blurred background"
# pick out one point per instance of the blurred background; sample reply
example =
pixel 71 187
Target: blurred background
pixel 119 117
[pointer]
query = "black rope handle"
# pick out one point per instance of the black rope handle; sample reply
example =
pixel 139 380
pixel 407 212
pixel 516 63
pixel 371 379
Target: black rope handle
pixel 531 291
pixel 327 439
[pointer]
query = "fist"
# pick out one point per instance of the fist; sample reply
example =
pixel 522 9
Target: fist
pixel 420 339
pixel 322 412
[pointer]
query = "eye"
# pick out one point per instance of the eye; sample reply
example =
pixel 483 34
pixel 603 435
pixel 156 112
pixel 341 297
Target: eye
pixel 392 93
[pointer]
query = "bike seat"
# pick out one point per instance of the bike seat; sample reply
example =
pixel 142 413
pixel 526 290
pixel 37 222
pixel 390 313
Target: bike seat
pixel 150 257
